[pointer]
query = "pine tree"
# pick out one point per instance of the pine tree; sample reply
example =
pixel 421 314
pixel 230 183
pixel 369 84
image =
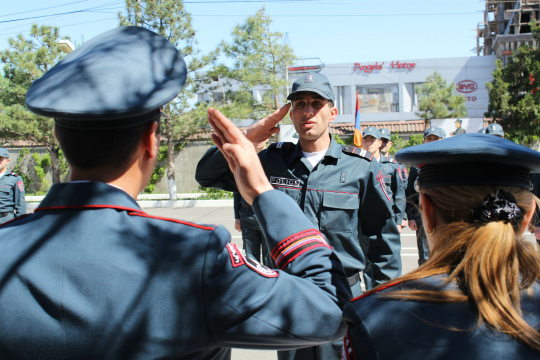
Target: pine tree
pixel 26 60
pixel 261 59
pixel 514 98
pixel 438 101
pixel 169 19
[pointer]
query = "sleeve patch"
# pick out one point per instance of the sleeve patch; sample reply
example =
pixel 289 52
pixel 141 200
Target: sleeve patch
pixel 20 185
pixel 347 351
pixel 295 245
pixel 238 259
pixel 259 268
pixel 400 173
pixel 405 172
pixel 380 178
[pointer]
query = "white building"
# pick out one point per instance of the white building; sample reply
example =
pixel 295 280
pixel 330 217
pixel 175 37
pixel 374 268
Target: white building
pixel 386 88
pixel 387 93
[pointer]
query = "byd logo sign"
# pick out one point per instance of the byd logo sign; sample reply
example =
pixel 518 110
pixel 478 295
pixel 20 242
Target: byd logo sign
pixel 466 86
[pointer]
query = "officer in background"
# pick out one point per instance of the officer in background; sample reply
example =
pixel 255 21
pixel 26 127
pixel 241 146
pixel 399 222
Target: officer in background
pixel 459 129
pixel 371 141
pixel 433 133
pixel 495 129
pixel 12 202
pixel 89 275
pixel 386 144
pixel 341 189
pixel 482 131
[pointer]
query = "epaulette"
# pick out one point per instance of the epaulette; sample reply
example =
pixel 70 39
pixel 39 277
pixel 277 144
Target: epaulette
pixel 353 150
pixel 286 146
pixel 14 174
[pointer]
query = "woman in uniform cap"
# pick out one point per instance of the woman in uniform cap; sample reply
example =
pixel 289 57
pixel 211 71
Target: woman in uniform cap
pixel 478 295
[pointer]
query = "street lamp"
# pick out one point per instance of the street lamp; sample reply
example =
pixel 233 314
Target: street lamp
pixel 65 46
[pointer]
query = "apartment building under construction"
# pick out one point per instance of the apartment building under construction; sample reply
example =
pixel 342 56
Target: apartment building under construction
pixel 506 27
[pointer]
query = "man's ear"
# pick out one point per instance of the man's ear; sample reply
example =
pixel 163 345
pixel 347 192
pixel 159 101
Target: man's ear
pixel 333 113
pixel 151 140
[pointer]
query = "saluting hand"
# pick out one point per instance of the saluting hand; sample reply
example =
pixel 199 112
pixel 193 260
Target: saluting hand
pixel 240 155
pixel 266 127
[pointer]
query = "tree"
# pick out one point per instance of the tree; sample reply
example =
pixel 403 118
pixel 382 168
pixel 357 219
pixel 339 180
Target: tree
pixel 169 19
pixel 438 101
pixel 261 58
pixel 514 98
pixel 25 61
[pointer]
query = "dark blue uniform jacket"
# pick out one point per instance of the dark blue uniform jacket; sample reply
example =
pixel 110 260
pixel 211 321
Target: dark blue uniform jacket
pixel 90 275
pixel 11 196
pixel 384 329
pixel 393 178
pixel 344 196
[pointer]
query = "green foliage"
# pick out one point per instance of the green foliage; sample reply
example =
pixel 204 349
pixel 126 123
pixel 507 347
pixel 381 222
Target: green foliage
pixel 214 194
pixel 415 140
pixel 438 101
pixel 171 20
pixel 26 60
pixel 18 169
pixel 514 96
pixel 41 162
pixel 260 61
pixel 159 171
pixel 339 140
pixel 397 143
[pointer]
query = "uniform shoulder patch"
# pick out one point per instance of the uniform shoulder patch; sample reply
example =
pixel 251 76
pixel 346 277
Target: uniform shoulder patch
pixel 285 146
pixel 353 150
pixel 20 185
pixel 238 259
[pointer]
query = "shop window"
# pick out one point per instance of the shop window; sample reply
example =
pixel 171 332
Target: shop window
pixel 378 98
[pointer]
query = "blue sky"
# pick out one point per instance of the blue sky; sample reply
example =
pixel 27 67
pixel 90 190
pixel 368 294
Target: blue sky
pixel 339 31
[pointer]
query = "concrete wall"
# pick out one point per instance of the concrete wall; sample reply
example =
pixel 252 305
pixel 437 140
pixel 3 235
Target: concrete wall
pixel 185 165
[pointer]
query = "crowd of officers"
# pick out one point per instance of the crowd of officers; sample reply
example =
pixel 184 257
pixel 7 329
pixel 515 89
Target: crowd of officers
pixel 89 275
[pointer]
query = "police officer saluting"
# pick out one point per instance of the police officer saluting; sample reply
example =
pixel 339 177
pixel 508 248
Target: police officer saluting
pixel 89 275
pixel 340 189
pixel 12 202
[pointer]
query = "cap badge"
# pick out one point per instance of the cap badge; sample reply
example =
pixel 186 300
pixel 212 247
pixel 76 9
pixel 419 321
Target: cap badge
pixel 308 79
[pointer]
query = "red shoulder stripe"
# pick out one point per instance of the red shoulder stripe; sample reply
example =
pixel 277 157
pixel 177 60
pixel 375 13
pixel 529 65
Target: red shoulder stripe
pixel 377 289
pixel 131 211
pixel 89 207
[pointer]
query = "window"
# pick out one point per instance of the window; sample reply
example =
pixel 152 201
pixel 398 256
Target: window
pixel 378 98
pixel 342 96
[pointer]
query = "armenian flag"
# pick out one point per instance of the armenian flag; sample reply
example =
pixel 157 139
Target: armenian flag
pixel 357 131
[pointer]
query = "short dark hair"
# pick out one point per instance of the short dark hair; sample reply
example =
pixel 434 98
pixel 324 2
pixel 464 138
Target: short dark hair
pixel 88 149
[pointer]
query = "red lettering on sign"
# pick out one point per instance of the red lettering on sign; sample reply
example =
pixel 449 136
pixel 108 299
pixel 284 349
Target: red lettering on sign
pixel 398 65
pixel 368 68
pixel 466 86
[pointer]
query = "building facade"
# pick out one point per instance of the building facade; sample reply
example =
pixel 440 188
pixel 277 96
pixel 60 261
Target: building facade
pixel 387 88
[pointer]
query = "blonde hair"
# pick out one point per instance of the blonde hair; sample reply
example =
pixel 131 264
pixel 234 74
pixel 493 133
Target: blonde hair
pixel 490 261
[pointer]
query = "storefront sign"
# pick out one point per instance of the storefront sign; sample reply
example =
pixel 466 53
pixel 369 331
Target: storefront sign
pixel 466 86
pixel 367 68
pixel 377 66
pixel 398 65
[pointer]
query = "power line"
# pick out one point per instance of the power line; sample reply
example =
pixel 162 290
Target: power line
pixel 47 8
